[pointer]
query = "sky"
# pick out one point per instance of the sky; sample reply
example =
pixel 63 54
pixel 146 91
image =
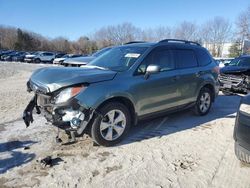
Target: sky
pixel 75 18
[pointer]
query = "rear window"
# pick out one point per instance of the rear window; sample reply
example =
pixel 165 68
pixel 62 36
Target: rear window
pixel 204 57
pixel 47 54
pixel 186 59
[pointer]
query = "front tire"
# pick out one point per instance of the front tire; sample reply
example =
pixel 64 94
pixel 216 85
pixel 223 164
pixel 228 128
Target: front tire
pixel 111 125
pixel 203 102
pixel 241 153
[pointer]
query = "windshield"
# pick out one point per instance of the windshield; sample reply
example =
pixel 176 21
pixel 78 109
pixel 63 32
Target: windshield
pixel 119 59
pixel 240 62
pixel 100 52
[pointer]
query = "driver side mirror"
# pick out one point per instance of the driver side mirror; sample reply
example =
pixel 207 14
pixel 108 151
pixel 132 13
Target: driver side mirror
pixel 152 69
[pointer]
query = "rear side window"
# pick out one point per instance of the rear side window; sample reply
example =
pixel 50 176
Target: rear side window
pixel 204 57
pixel 186 59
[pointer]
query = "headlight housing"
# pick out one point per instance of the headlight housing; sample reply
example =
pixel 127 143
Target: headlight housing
pixel 68 93
pixel 245 108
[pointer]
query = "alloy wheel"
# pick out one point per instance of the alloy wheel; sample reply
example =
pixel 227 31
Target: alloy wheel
pixel 113 125
pixel 205 102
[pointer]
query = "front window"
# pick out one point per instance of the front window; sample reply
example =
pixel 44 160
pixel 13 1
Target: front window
pixel 119 58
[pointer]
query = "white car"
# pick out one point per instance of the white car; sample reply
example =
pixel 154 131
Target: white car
pixel 58 61
pixel 39 57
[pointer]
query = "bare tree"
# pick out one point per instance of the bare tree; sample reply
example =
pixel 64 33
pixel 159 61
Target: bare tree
pixel 243 27
pixel 8 37
pixel 215 33
pixel 187 31
pixel 117 34
pixel 61 44
pixel 156 34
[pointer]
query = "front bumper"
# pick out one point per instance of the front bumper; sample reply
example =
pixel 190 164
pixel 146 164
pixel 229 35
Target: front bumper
pixel 233 83
pixel 242 130
pixel 28 60
pixel 69 116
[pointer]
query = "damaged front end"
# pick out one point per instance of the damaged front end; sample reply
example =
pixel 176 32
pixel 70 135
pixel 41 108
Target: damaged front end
pixel 60 108
pixel 234 83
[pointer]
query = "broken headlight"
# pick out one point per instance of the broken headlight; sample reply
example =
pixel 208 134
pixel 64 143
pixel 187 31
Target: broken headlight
pixel 68 93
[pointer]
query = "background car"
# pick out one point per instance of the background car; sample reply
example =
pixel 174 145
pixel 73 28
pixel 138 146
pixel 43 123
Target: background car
pixel 83 60
pixel 8 56
pixel 222 61
pixel 66 56
pixel 234 76
pixel 39 57
pixel 242 131
pixel 5 53
pixel 58 55
pixel 20 56
pixel 11 56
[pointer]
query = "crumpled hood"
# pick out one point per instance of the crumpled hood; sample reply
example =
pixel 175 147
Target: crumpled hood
pixel 54 78
pixel 233 70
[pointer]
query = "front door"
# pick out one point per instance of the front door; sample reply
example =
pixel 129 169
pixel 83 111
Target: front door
pixel 159 91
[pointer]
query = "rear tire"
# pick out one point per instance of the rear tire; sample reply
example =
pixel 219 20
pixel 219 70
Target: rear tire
pixel 203 102
pixel 241 153
pixel 113 123
pixel 38 60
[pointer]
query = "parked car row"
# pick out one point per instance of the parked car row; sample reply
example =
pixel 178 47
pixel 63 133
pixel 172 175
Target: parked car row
pixel 10 55
pixel 82 60
pixel 71 60
pixel 29 57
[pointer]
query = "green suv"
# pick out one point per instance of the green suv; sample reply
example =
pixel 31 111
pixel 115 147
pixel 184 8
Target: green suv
pixel 125 84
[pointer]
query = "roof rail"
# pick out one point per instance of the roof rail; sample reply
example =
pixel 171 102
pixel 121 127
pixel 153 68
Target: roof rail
pixel 132 42
pixel 181 41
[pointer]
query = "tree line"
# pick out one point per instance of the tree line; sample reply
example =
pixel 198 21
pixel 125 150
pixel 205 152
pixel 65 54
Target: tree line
pixel 213 34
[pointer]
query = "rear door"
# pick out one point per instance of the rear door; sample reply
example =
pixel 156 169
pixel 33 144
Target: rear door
pixel 189 74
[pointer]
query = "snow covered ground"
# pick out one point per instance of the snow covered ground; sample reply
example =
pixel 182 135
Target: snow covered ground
pixel 178 150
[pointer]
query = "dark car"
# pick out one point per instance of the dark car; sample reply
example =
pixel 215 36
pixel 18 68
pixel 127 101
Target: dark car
pixel 20 56
pixel 242 131
pixel 5 53
pixel 11 56
pixel 124 85
pixel 83 60
pixel 8 57
pixel 234 77
pixel 59 55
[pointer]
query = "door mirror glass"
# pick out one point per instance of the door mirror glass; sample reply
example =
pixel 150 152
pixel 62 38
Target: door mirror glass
pixel 152 69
